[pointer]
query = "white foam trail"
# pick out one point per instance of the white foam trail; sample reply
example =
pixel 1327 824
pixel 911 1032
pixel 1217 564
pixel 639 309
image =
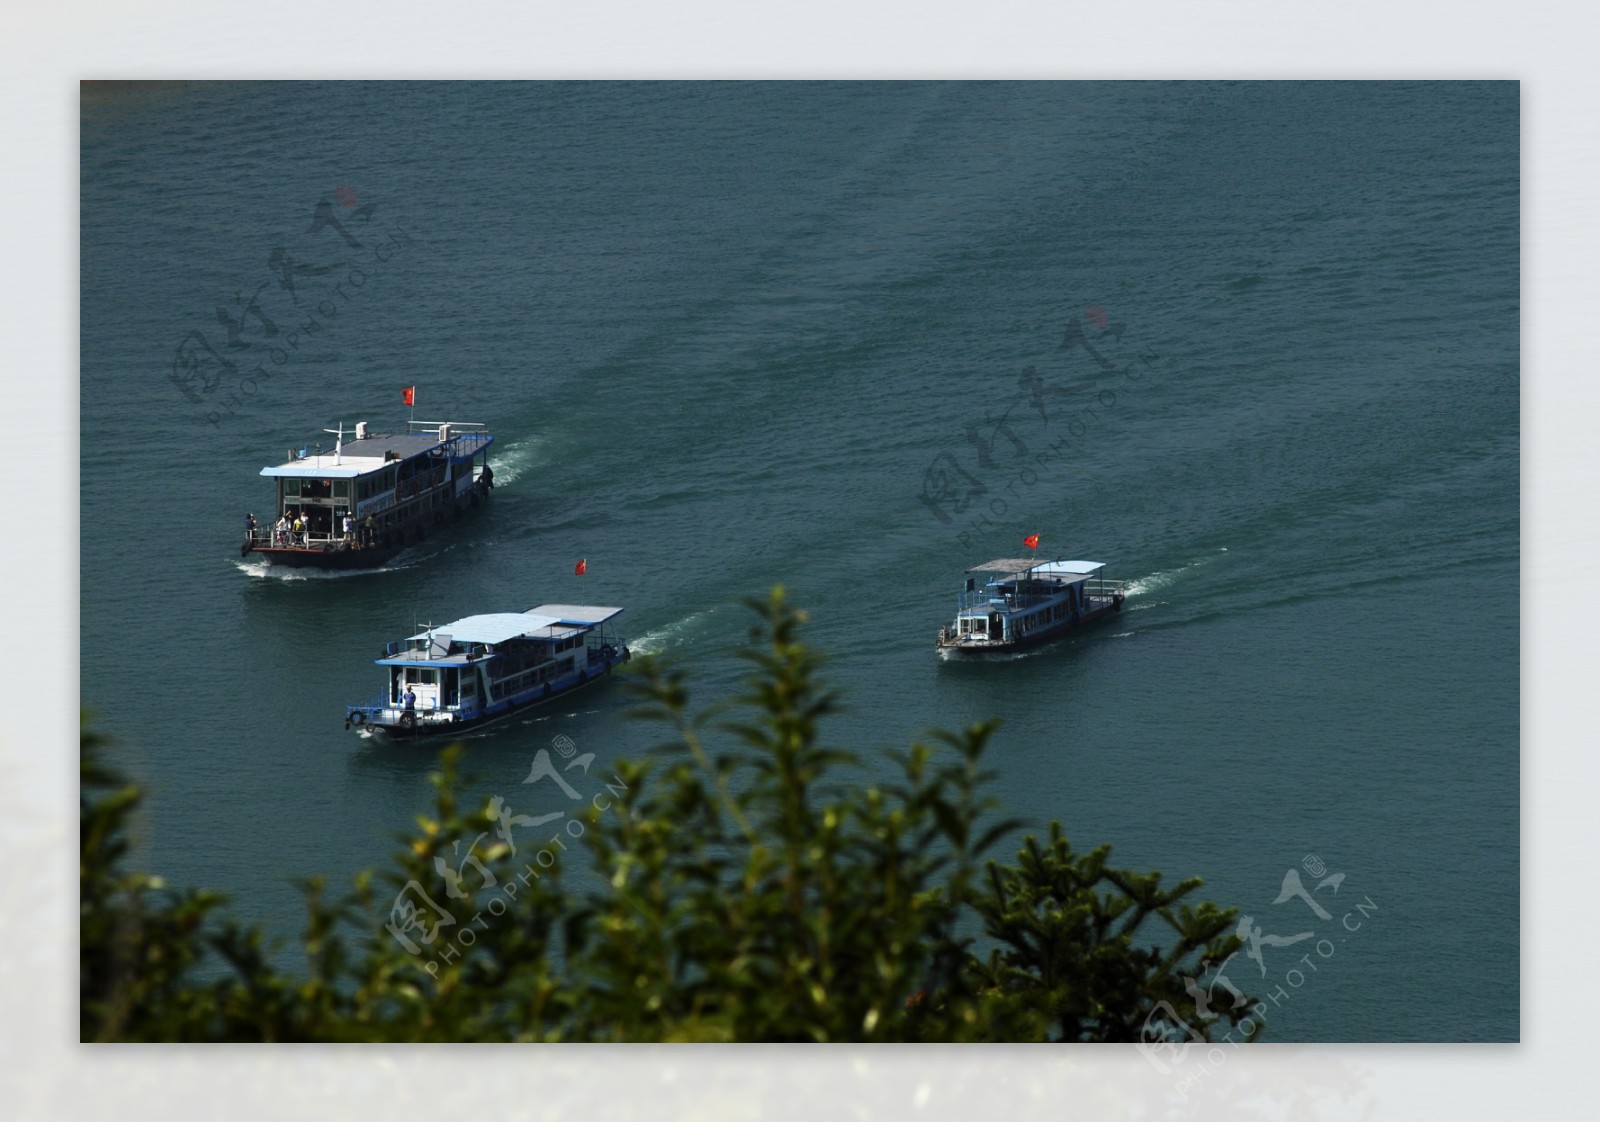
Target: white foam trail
pixel 290 573
pixel 287 573
pixel 517 459
pixel 1154 583
pixel 672 635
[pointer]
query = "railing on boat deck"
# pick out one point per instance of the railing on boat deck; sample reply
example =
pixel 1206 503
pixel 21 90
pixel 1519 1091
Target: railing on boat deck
pixel 373 710
pixel 462 441
pixel 266 537
pixel 376 705
pixel 982 600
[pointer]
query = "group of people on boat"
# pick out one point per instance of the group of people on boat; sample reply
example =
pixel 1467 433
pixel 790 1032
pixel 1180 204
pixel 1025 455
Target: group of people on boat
pixel 292 528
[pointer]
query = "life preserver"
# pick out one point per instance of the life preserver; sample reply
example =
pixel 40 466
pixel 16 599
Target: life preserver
pixel 358 718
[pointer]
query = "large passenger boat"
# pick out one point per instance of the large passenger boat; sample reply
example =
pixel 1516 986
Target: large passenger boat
pixel 480 669
pixel 361 504
pixel 1025 602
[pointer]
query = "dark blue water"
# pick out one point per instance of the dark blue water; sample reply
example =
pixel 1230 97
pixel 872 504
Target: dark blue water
pixel 1255 345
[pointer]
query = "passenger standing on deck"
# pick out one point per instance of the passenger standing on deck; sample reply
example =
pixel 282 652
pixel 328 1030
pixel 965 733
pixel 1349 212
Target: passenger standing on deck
pixel 367 534
pixel 299 531
pixel 410 699
pixel 249 527
pixel 281 530
pixel 349 527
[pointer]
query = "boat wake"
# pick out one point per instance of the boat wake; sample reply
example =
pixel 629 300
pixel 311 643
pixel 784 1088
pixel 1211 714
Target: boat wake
pixel 950 655
pixel 309 573
pixel 1161 580
pixel 517 459
pixel 673 635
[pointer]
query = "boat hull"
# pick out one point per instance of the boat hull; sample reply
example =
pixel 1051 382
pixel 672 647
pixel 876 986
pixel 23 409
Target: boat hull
pixel 1032 639
pixel 344 556
pixel 300 557
pixel 400 731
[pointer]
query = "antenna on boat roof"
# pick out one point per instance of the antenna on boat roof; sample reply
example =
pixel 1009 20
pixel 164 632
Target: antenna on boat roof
pixel 338 446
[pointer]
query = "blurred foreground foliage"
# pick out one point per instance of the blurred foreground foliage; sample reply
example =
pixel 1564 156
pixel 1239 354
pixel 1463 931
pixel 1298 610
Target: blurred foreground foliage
pixel 745 891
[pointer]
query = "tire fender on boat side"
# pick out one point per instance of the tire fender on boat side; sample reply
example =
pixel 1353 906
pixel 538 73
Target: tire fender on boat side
pixel 408 720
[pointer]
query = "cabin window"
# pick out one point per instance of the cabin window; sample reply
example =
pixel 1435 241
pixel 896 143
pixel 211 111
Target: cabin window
pixel 341 489
pixel 291 487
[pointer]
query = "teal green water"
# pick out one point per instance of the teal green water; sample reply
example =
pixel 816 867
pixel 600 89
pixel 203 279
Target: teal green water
pixel 733 335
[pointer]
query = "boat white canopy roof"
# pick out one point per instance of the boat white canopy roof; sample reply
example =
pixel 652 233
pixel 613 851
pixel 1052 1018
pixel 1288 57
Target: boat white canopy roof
pixel 357 457
pixel 1069 568
pixel 491 627
pixel 545 621
pixel 1052 568
pixel 578 615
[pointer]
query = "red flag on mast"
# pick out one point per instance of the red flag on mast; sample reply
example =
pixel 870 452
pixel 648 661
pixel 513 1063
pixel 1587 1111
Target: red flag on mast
pixel 1032 541
pixel 408 396
pixel 582 567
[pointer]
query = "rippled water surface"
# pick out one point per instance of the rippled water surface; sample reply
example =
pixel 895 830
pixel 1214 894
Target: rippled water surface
pixel 1253 345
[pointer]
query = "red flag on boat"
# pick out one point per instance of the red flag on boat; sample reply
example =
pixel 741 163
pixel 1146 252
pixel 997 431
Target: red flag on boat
pixel 408 396
pixel 582 567
pixel 1032 541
